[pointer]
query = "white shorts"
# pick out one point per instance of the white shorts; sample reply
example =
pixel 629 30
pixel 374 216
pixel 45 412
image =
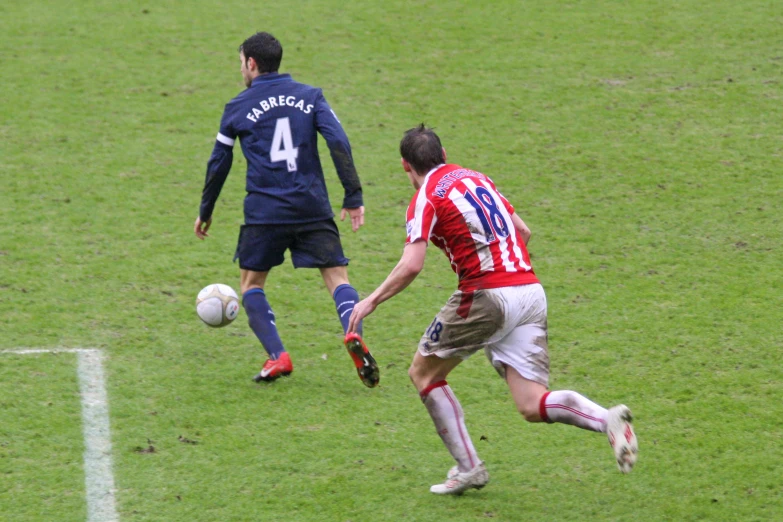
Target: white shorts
pixel 509 323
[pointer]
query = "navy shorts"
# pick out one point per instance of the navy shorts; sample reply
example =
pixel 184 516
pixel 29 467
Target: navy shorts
pixel 312 245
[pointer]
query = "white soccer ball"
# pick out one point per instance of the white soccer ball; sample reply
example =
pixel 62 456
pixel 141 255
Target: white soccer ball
pixel 217 305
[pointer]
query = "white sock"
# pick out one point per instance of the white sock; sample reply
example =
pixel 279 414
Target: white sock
pixel 569 407
pixel 449 419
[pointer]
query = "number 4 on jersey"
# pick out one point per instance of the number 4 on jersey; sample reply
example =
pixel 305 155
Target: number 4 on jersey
pixel 283 145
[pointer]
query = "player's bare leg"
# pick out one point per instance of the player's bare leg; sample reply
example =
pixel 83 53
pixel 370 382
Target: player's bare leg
pixel 345 297
pixel 429 376
pixel 251 279
pixel 536 404
pixel 425 371
pixel 262 321
pixel 334 276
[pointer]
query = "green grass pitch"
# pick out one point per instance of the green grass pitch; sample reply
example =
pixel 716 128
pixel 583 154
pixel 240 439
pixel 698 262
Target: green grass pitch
pixel 641 141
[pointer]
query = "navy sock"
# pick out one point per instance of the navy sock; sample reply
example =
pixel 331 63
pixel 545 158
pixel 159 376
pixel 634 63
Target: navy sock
pixel 262 321
pixel 345 297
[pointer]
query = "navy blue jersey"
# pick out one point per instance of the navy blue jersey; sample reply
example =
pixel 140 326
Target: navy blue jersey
pixel 276 121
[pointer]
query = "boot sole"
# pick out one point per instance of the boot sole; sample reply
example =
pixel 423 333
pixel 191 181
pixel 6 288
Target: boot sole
pixel 365 364
pixel 270 378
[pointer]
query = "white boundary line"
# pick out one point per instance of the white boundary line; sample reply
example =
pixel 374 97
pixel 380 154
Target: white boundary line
pixel 98 475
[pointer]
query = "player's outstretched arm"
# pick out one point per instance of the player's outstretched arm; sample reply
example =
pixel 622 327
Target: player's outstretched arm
pixel 521 227
pixel 357 217
pixel 408 267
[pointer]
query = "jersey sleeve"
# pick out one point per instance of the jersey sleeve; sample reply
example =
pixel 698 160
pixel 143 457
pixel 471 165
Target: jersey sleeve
pixel 218 166
pixel 340 149
pixel 226 135
pixel 421 218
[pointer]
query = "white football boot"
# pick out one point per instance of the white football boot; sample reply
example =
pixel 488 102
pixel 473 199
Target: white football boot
pixel 621 437
pixel 458 482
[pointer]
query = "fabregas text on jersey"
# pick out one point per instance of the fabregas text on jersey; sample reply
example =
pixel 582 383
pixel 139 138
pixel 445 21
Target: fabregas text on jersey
pixel 278 101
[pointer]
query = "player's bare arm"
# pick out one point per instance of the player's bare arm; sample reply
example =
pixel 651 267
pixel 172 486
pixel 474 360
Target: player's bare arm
pixel 200 227
pixel 408 267
pixel 521 227
pixel 356 215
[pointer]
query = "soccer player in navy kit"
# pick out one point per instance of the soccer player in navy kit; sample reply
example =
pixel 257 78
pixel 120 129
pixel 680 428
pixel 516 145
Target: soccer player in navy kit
pixel 277 121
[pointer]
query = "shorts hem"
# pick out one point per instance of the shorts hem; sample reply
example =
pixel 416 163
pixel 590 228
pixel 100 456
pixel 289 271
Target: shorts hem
pixel 256 269
pixel 440 355
pixel 500 364
pixel 328 265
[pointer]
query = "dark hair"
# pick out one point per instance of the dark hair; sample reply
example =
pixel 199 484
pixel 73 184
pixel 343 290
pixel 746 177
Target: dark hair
pixel 265 49
pixel 422 149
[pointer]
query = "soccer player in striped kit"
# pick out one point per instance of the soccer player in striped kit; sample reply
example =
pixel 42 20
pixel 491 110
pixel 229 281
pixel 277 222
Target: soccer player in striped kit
pixel 499 306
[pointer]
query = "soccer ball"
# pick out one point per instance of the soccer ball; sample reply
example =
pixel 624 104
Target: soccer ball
pixel 217 305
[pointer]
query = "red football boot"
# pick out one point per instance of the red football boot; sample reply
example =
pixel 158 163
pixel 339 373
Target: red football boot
pixel 366 366
pixel 273 369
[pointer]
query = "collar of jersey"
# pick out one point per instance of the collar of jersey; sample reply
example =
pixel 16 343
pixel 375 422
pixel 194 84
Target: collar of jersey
pixel 271 77
pixel 427 177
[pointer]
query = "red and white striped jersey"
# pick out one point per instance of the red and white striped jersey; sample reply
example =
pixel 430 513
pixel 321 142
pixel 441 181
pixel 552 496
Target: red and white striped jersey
pixel 464 215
